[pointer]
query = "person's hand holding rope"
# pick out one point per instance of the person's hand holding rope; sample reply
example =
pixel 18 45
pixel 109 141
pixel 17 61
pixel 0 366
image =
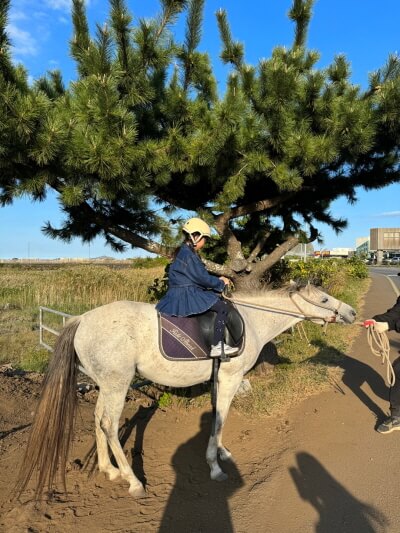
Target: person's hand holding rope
pixel 379 343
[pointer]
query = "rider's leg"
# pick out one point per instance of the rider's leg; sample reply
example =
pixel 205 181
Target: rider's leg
pixel 221 308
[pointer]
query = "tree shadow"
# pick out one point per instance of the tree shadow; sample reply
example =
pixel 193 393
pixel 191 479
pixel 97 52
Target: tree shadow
pixel 356 373
pixel 196 503
pixel 338 509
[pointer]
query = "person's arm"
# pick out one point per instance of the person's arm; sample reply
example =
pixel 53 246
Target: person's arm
pixel 197 273
pixel 391 317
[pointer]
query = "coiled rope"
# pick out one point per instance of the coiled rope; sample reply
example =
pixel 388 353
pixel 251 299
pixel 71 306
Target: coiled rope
pixel 379 345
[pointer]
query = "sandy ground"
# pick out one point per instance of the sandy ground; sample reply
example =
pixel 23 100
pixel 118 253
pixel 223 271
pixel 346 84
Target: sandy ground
pixel 322 467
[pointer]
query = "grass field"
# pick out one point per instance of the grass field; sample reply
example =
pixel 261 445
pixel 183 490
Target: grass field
pixel 300 369
pixel 72 290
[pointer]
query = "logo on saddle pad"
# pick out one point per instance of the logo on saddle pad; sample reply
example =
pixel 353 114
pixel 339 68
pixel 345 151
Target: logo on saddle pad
pixel 190 338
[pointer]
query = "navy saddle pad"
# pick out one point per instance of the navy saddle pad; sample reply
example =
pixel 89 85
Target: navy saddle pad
pixel 190 338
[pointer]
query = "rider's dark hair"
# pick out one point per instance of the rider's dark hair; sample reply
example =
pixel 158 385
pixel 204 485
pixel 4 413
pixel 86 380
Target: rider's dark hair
pixel 186 240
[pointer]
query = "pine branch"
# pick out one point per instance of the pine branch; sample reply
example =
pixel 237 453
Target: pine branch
pixel 233 51
pixel 254 207
pixel 301 13
pixel 120 22
pixel 260 267
pixel 192 37
pixel 80 42
pixel 258 247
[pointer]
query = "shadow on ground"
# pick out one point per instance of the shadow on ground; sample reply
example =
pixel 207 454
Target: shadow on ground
pixel 196 503
pixel 338 509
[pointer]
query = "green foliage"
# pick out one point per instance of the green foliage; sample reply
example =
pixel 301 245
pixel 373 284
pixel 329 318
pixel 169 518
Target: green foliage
pixel 165 400
pixel 324 272
pixel 159 287
pixel 142 134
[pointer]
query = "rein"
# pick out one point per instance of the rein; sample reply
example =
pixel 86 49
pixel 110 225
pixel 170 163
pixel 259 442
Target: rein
pixel 379 345
pixel 288 312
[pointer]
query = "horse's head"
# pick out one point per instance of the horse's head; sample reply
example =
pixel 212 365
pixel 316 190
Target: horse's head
pixel 320 306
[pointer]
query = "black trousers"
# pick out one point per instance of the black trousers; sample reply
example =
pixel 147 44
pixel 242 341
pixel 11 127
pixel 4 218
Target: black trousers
pixel 394 394
pixel 221 308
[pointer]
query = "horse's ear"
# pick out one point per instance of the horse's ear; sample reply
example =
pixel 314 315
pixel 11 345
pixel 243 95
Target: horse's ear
pixel 293 285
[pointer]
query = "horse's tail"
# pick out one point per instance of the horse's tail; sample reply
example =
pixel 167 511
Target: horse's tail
pixel 52 428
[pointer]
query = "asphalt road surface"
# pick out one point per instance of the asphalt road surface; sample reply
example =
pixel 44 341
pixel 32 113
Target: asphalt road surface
pixel 392 273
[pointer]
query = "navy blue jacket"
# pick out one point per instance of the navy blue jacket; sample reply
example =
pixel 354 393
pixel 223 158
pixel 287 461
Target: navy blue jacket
pixel 392 316
pixel 189 286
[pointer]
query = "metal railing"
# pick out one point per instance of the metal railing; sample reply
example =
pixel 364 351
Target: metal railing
pixel 43 327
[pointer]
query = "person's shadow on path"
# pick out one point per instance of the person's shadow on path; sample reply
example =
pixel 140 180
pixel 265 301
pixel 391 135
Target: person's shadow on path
pixel 196 503
pixel 356 373
pixel 338 509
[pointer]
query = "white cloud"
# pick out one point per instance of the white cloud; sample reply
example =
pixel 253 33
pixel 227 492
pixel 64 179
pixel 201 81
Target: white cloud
pixel 16 15
pixel 64 5
pixel 59 4
pixel 23 42
pixel 389 214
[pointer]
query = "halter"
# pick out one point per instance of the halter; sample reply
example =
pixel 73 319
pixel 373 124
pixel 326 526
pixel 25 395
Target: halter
pixel 335 310
pixel 287 312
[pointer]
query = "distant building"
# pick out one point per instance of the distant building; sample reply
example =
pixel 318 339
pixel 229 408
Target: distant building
pixel 362 246
pixel 385 242
pixel 334 252
pixel 341 252
pixel 387 239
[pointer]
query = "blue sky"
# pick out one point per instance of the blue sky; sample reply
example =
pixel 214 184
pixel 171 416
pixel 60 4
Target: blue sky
pixel 365 32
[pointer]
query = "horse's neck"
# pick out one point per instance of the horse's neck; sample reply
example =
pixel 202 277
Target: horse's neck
pixel 265 325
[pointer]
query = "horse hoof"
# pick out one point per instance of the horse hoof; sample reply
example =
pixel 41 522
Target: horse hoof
pixel 224 454
pixel 137 492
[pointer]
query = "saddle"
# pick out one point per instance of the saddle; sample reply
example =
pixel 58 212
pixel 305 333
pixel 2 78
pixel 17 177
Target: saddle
pixel 190 338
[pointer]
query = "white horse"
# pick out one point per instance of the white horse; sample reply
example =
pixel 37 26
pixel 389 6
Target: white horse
pixel 112 342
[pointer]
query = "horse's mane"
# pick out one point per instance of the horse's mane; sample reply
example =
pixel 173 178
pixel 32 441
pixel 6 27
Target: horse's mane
pixel 257 291
pixel 284 290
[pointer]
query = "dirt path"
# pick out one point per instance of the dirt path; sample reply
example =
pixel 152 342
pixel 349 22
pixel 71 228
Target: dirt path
pixel 320 468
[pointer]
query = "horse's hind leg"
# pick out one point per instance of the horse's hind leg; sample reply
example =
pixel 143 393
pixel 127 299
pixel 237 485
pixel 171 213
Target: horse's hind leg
pixel 113 403
pixel 101 441
pixel 227 387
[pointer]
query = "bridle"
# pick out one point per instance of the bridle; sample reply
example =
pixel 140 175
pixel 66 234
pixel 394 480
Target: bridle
pixel 302 314
pixel 335 310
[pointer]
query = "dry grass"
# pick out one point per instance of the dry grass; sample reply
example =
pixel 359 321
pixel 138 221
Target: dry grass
pixel 73 290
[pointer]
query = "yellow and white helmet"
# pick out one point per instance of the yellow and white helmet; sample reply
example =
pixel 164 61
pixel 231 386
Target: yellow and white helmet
pixel 196 225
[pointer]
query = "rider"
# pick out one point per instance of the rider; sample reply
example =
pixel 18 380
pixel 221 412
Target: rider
pixel 189 285
pixel 385 322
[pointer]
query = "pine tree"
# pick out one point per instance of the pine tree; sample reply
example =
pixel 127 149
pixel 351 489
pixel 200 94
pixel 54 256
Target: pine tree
pixel 142 136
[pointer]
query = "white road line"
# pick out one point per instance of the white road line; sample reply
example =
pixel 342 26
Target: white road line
pixel 396 290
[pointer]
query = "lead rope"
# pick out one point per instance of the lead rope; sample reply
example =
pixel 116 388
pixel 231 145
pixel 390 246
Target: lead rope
pixel 379 345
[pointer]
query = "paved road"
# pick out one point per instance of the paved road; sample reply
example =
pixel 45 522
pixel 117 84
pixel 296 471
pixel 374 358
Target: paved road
pixel 390 272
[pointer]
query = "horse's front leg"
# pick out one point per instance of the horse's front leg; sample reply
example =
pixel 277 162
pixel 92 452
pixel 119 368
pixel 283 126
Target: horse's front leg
pixel 227 387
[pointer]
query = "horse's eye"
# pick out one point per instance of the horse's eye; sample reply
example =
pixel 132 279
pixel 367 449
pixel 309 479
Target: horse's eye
pixel 324 300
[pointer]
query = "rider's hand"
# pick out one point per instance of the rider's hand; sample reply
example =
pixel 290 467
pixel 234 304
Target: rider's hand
pixel 381 327
pixel 225 280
